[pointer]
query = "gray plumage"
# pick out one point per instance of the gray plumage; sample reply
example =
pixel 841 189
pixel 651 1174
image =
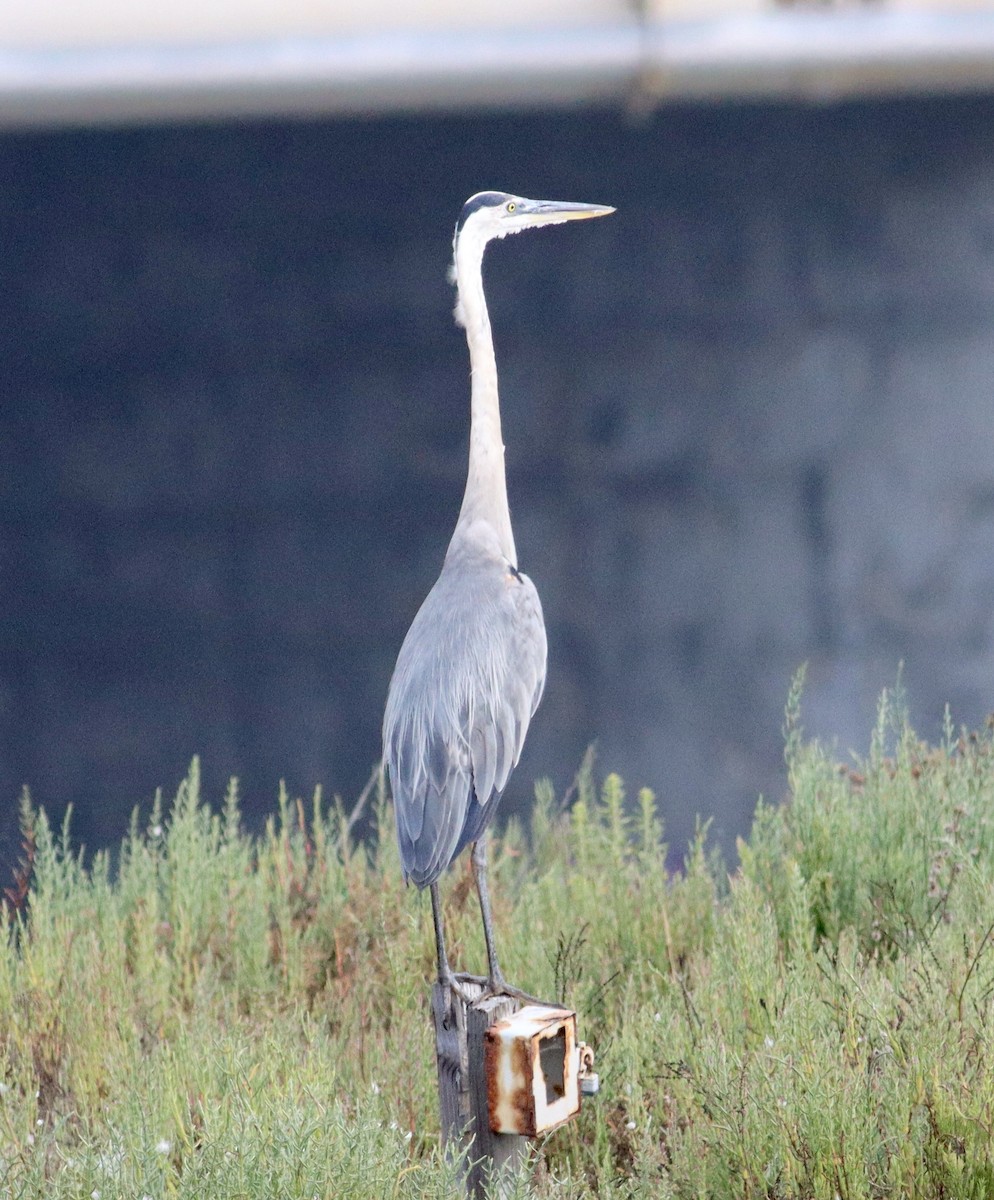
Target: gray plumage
pixel 471 670
pixel 468 679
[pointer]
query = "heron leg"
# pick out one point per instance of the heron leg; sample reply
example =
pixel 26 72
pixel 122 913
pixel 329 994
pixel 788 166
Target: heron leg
pixel 497 985
pixel 479 860
pixel 446 977
pixel 444 970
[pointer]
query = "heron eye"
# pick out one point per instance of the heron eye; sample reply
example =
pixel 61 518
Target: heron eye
pixel 511 206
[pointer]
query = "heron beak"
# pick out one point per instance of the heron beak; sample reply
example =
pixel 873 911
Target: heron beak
pixel 551 212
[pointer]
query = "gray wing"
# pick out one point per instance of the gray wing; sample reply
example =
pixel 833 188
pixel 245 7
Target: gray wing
pixel 468 678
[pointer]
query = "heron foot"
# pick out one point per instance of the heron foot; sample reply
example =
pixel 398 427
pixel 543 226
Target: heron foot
pixel 453 984
pixel 464 977
pixel 497 985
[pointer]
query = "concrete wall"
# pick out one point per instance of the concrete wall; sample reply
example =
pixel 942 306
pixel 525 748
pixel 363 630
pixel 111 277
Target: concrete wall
pixel 749 423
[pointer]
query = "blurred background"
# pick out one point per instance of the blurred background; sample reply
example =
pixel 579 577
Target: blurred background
pixel 749 419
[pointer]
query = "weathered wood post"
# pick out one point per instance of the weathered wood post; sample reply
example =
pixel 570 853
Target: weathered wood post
pixel 462 1089
pixel 506 1073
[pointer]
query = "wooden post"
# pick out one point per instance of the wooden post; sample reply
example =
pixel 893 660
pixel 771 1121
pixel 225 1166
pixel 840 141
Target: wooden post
pixel 490 1158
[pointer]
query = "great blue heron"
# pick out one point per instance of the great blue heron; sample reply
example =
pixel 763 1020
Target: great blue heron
pixel 471 670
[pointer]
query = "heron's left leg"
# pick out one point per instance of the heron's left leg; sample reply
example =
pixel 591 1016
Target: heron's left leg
pixel 497 985
pixel 479 860
pixel 446 977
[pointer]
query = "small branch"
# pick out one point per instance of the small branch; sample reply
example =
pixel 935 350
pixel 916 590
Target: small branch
pixel 585 770
pixel 973 966
pixel 360 804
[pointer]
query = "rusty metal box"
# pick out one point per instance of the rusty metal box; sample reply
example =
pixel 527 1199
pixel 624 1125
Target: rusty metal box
pixel 532 1065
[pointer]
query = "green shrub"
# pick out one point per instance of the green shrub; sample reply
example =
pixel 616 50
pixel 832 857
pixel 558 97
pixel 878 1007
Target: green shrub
pixel 205 1014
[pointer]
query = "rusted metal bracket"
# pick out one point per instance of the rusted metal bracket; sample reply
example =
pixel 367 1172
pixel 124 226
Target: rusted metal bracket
pixel 504 1076
pixel 531 1067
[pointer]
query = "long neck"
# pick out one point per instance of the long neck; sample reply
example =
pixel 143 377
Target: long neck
pixel 485 498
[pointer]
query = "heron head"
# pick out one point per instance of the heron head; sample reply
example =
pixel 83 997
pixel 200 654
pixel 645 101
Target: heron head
pixel 489 215
pixel 496 214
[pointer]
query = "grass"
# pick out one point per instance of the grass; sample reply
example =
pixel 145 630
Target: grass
pixel 218 1016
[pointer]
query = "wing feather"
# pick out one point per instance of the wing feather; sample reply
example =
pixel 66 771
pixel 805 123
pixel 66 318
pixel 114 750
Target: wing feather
pixel 468 679
pixel 484 743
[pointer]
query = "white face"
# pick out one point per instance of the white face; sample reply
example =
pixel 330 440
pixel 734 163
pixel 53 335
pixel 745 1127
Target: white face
pixel 489 215
pixel 496 214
